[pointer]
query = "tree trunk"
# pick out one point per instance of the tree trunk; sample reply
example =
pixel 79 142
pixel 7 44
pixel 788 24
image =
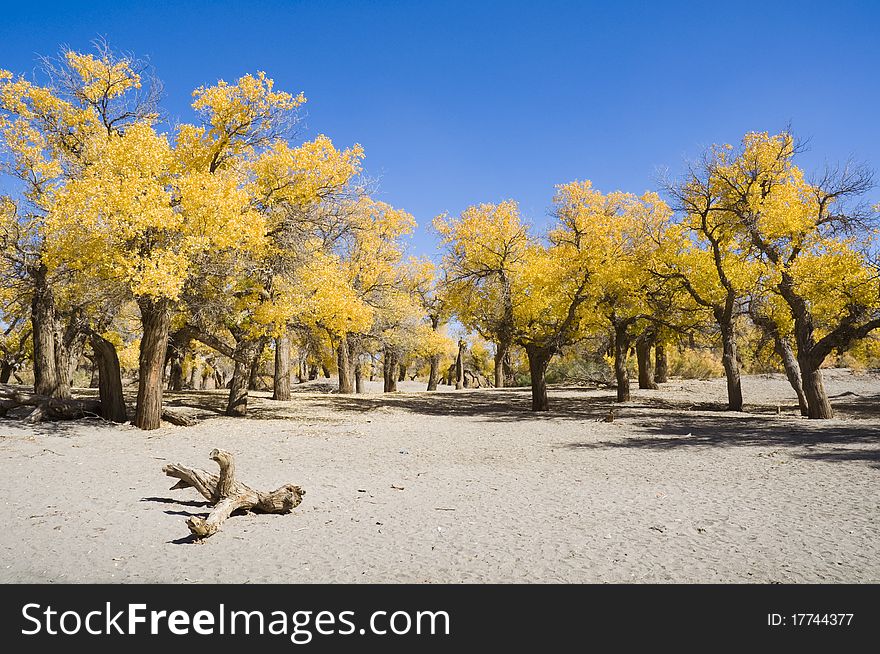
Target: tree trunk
pixel 178 342
pixel 621 352
pixel 46 380
pixel 402 374
pixel 818 406
pixel 783 349
pixel 245 350
pixel 358 377
pixel 434 372
pixel 254 370
pixel 643 358
pixel 325 371
pixel 109 379
pixel 538 360
pixel 343 362
pixel 459 366
pixel 390 366
pixel 661 365
pixel 175 378
pixel 731 367
pixel 502 357
pixel 509 379
pixel 790 364
pixel 156 322
pixel 5 372
pixel 281 384
pixel 69 343
pixel 195 373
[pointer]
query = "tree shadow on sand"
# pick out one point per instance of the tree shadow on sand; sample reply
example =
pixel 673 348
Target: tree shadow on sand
pixel 808 439
pixel 493 405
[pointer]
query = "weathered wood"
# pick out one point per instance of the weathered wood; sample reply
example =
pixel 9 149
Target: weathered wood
pixel 109 379
pixel 661 363
pixel 43 320
pixel 178 418
pixel 343 363
pixel 281 382
pixel 51 408
pixel 228 495
pixel 538 359
pixel 156 322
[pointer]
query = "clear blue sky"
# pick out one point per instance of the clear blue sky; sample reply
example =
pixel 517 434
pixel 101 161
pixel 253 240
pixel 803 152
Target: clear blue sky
pixel 459 103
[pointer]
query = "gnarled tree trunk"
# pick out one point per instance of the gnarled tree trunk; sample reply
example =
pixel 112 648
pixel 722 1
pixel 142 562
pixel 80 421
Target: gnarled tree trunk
pixel 783 349
pixel 818 405
pixel 358 377
pixel 538 359
pixel 731 366
pixel 109 379
pixel 246 350
pixel 178 342
pixel 254 370
pixel 156 322
pixel 621 353
pixel 643 357
pixel 343 362
pixel 459 366
pixel 281 385
pixel 502 357
pixel 390 368
pixel 790 365
pixel 434 372
pixel 661 364
pixel 69 342
pixel 195 373
pixel 46 380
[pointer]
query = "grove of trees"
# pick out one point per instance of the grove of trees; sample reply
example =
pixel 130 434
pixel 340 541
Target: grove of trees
pixel 224 253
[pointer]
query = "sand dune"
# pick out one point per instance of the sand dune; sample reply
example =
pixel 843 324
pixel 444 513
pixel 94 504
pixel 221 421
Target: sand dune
pixel 674 490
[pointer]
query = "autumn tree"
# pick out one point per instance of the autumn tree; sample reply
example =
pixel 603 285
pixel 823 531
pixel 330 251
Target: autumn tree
pixel 431 291
pixel 484 246
pixel 814 236
pixel 52 132
pixel 615 237
pixel 254 294
pixel 706 259
pixel 352 286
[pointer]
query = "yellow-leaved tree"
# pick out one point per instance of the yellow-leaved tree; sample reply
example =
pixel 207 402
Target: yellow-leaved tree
pixel 513 286
pixel 814 238
pixel 483 247
pixel 52 132
pixel 146 215
pixel 704 258
pixel 614 237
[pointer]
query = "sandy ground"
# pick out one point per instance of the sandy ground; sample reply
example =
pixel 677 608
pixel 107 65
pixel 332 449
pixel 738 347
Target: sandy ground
pixel 674 490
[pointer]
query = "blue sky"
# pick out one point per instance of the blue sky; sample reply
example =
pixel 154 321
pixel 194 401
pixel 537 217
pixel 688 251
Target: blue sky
pixel 459 103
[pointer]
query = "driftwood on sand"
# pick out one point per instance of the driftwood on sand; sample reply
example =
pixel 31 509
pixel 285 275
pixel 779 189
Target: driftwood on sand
pixel 43 406
pixel 229 495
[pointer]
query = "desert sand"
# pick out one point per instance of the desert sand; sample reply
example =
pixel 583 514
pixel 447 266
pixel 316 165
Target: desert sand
pixel 463 486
